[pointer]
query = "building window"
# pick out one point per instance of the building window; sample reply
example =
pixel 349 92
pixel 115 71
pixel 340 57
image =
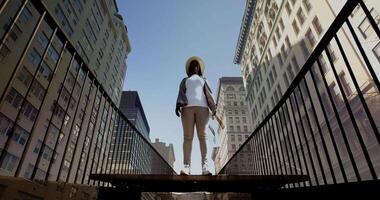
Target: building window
pixel 281 23
pixel 37 147
pixel 66 165
pixel 61 136
pixel 323 63
pixel 286 79
pixel 365 27
pixel 244 120
pixel 34 57
pixel 332 53
pixel 245 129
pixel 38 90
pixel 317 26
pixel 9 161
pixel 59 112
pixel 53 131
pixel 47 154
pixel 30 111
pixel 295 27
pixel 237 120
pixel 5 125
pixel 4 51
pixel 65 96
pixel 295 64
pixel 238 128
pixel 240 138
pixel 16 31
pixel 45 71
pixel 274 40
pixel 25 15
pixel 25 76
pixel 231 128
pixel 283 54
pixel 288 9
pixel 63 20
pixel 66 120
pixel 230 120
pixel 288 45
pixel 53 54
pixel 236 112
pixel 232 138
pixel 310 37
pixel 304 49
pixel 230 96
pixel 307 5
pixel 301 16
pixel 376 51
pixel 278 33
pixel 233 147
pixel 290 72
pixel 14 98
pixel 43 39
pixel 345 83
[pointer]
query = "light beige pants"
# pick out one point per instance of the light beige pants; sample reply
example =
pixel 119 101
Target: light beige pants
pixel 199 117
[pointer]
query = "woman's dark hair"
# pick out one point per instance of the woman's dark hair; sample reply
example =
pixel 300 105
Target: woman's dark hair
pixel 192 66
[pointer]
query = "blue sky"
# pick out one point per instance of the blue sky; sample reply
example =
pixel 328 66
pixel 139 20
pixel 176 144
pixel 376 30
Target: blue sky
pixel 163 34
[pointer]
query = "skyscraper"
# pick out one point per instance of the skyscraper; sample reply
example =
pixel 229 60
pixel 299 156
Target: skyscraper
pixel 275 40
pixel 131 107
pixel 62 69
pixel 233 108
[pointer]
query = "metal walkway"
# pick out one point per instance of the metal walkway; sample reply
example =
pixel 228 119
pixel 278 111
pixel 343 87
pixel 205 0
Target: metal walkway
pixel 194 183
pixel 132 186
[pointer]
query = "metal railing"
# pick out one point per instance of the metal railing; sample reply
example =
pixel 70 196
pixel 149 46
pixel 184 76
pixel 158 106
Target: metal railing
pixel 326 124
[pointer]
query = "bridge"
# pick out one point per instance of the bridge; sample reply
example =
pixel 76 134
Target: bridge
pixel 306 145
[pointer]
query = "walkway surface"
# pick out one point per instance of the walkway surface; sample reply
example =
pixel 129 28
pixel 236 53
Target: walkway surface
pixel 192 183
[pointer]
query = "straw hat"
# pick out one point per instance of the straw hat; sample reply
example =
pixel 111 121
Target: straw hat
pixel 200 61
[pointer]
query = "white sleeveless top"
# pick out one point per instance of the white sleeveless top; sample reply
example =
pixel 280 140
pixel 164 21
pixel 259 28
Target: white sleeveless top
pixel 194 91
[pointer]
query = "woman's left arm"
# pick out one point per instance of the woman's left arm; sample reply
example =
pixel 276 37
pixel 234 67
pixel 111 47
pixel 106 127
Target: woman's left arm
pixel 210 99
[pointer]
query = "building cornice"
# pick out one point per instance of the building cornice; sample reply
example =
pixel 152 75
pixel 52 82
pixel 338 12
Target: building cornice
pixel 244 30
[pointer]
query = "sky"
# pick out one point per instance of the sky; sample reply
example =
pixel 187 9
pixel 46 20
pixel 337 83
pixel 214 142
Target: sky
pixel 163 35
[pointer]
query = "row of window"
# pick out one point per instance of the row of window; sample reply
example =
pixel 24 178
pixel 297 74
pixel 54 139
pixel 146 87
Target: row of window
pixel 238 128
pixel 237 120
pixel 239 137
pixel 15 99
pixel 20 135
pixel 235 103
pixel 236 112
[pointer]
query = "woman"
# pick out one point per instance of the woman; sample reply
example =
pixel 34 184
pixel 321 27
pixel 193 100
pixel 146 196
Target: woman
pixel 193 104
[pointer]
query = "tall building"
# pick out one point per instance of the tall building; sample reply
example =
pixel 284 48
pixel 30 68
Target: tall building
pixel 166 151
pixel 62 68
pixel 131 107
pixel 276 38
pixel 233 109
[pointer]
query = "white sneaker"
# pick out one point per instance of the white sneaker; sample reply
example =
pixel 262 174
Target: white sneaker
pixel 205 170
pixel 185 170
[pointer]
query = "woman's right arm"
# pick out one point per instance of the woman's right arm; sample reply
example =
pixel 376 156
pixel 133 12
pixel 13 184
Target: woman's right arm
pixel 181 99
